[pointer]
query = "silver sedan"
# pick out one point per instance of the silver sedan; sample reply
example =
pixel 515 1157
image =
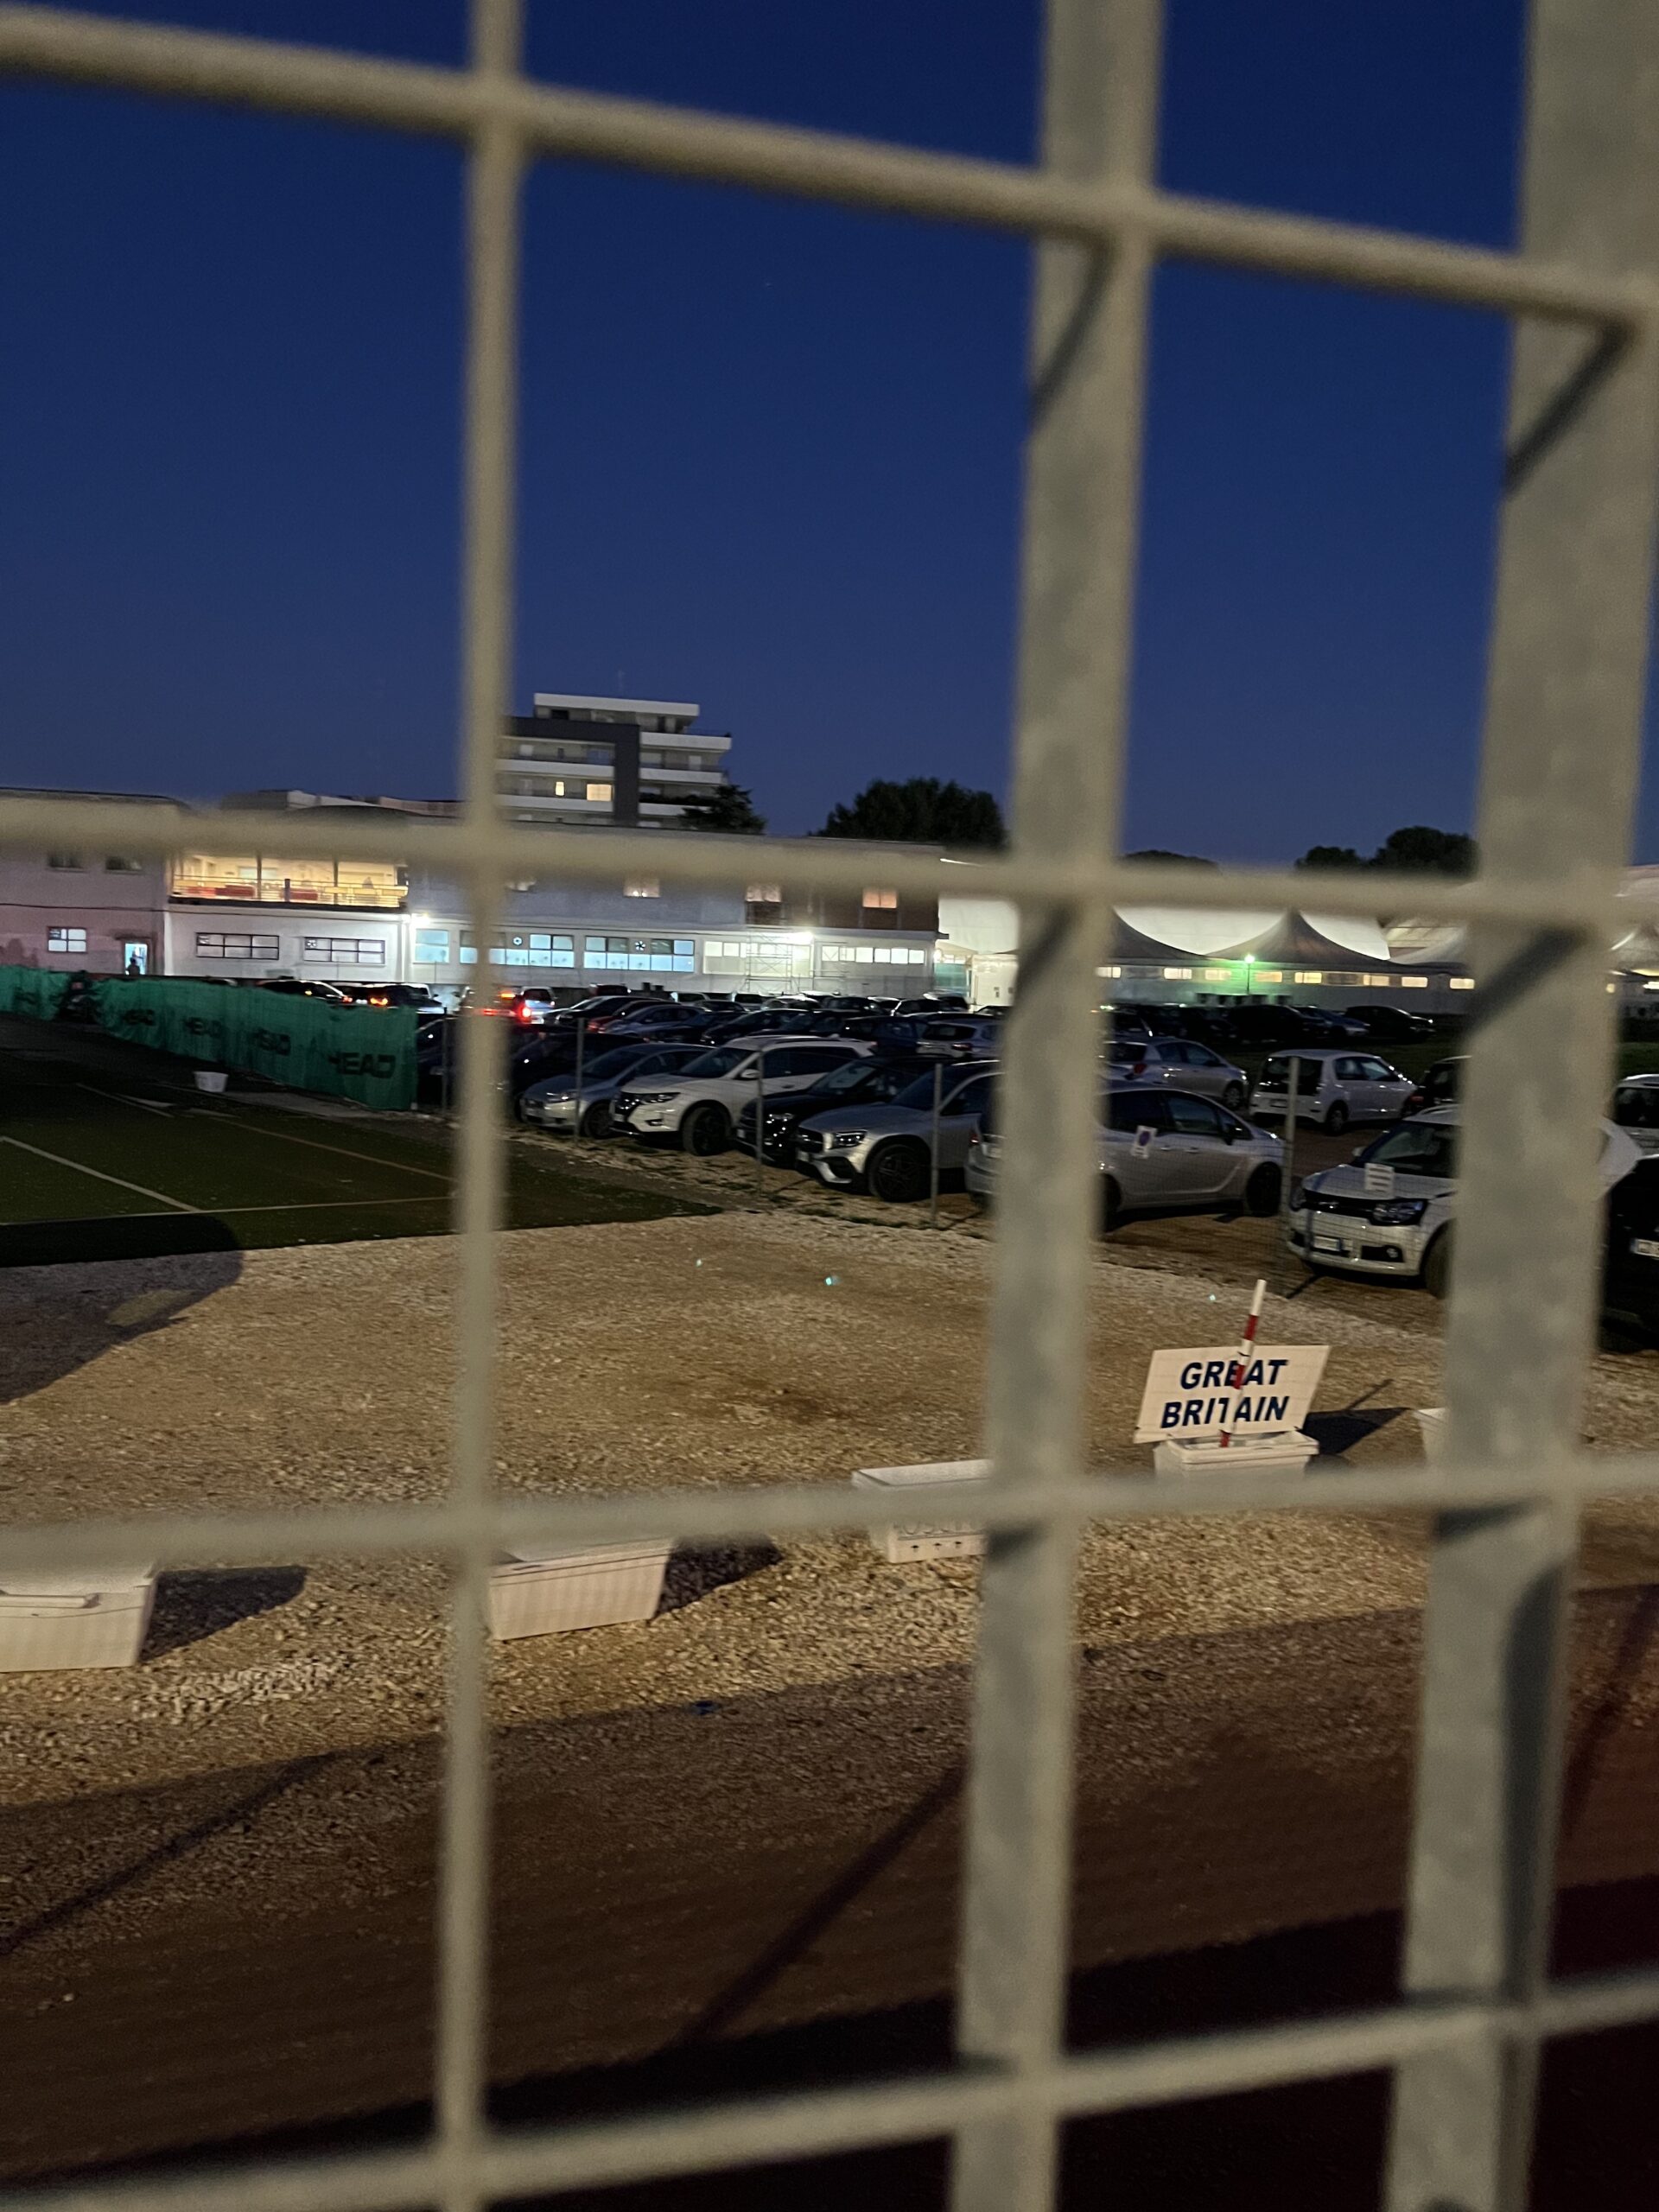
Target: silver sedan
pixel 1181 1064
pixel 1162 1150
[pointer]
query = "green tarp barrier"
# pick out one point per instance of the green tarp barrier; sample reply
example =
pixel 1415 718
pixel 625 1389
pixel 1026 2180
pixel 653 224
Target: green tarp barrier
pixel 362 1053
pixel 34 992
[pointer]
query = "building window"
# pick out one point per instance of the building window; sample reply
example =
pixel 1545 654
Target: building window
pixel 1461 982
pixel 606 951
pixel 347 951
pixel 1309 976
pixel 765 894
pixel 1412 982
pixel 886 902
pixel 64 860
pixel 215 944
pixel 1269 975
pixel 65 940
pixel 600 792
pixel 431 947
pixel 643 887
pixel 1183 975
pixel 119 864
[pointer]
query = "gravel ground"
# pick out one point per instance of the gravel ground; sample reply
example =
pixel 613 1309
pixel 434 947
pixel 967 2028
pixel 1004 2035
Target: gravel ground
pixel 736 1349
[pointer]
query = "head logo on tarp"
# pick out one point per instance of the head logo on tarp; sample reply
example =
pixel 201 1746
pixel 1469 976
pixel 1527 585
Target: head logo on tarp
pixel 1195 1393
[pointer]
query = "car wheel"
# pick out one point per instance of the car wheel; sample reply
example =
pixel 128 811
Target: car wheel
pixel 705 1129
pixel 1111 1205
pixel 1437 1266
pixel 1233 1098
pixel 898 1173
pixel 1262 1191
pixel 1337 1120
pixel 596 1121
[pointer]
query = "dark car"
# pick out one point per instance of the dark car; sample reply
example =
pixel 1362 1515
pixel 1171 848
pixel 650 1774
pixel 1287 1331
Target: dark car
pixel 1442 1085
pixel 855 1084
pixel 1629 1282
pixel 1390 1025
pixel 298 987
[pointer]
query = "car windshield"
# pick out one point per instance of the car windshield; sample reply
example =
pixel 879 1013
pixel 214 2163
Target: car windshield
pixel 1416 1149
pixel 846 1077
pixel 609 1064
pixel 721 1061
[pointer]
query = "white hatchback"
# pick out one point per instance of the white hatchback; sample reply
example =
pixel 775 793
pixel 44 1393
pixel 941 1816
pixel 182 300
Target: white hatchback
pixel 699 1104
pixel 1333 1088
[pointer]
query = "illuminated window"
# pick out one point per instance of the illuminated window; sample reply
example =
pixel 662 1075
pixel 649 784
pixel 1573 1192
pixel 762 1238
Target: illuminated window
pixel 642 887
pixel 1412 982
pixel 766 894
pixel 1269 975
pixel 1177 975
pixel 1462 983
pixel 1309 976
pixel 431 947
pixel 886 901
pixel 600 792
pixel 65 940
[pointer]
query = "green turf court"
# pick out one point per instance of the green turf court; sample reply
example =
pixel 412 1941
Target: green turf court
pixel 109 1152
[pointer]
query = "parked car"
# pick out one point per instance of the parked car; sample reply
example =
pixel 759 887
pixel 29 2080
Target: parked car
pixel 1441 1085
pixel 933 1002
pixel 697 1106
pixel 1336 1221
pixel 1389 1025
pixel 552 1102
pixel 1630 1283
pixel 1162 1150
pixel 886 1147
pixel 1181 1062
pixel 1333 1088
pixel 419 997
pixel 303 987
pixel 867 1081
pixel 949 1037
pixel 1635 1109
pixel 665 1018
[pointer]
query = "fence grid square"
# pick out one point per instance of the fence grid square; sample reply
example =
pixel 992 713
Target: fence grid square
pixel 1568 670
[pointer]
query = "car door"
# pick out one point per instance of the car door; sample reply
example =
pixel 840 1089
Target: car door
pixel 795 1067
pixel 1137 1147
pixel 1196 1068
pixel 958 1111
pixel 1352 1086
pixel 1390 1089
pixel 1197 1144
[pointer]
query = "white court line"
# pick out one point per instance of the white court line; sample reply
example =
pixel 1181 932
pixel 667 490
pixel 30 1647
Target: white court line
pixel 284 1136
pixel 321 1205
pixel 126 1098
pixel 120 1181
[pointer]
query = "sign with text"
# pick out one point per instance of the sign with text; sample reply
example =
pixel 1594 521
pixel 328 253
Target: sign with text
pixel 1190 1394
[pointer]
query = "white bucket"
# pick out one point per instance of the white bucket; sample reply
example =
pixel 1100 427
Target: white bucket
pixel 938 1484
pixel 214 1079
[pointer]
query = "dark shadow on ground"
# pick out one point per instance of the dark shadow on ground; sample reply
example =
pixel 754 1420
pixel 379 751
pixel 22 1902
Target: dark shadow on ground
pixel 191 1606
pixel 696 1574
pixel 133 1236
pixel 52 1323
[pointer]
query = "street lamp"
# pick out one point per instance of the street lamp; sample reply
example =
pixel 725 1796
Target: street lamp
pixel 1249 963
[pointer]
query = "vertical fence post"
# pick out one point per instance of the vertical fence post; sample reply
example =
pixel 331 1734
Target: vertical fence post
pixel 581 1048
pixel 1288 1169
pixel 1082 480
pixel 933 1151
pixel 1564 694
pixel 760 1119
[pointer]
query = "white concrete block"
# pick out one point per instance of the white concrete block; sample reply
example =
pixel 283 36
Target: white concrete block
pixel 96 1619
pixel 535 1593
pixel 938 1484
pixel 1280 1452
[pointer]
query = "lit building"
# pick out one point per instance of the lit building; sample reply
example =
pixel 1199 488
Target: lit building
pixel 618 763
pixel 84 905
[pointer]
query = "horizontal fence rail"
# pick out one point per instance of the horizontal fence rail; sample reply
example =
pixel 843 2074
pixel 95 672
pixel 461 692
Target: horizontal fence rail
pixel 1093 204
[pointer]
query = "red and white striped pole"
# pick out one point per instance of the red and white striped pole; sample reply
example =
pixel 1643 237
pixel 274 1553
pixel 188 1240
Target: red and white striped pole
pixel 1246 1346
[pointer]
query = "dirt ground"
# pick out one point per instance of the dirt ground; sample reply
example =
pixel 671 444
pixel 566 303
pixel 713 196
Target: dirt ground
pixel 744 1813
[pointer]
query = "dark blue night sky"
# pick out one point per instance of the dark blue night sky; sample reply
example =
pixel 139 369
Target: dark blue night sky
pixel 770 451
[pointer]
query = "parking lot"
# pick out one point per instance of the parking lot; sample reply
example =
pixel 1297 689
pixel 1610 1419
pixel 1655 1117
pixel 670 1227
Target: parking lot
pixel 109 1152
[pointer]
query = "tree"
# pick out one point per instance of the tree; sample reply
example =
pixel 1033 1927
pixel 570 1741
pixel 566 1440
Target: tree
pixel 921 811
pixel 1439 852
pixel 729 808
pixel 1157 853
pixel 1416 851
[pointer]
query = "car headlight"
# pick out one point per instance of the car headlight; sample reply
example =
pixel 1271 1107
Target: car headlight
pixel 1299 1195
pixel 1392 1213
pixel 652 1098
pixel 842 1140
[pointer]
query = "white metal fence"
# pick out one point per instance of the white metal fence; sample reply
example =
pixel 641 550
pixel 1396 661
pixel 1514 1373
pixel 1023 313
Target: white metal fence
pixel 1565 697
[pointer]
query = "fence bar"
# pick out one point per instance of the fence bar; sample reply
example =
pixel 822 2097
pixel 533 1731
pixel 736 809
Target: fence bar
pixel 856 173
pixel 1564 698
pixel 1083 476
pixel 494 185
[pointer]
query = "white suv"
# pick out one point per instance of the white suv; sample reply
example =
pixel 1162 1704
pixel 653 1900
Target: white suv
pixel 698 1108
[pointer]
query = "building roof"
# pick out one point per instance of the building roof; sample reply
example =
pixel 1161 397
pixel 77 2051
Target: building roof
pixel 685 707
